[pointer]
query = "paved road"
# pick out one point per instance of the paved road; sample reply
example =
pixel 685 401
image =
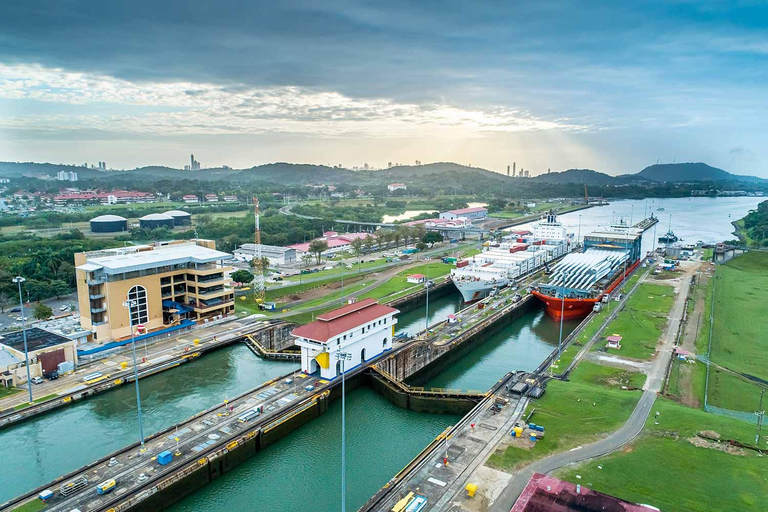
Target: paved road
pixel 634 424
pixel 613 442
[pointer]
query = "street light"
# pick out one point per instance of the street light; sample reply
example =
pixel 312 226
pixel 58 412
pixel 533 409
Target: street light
pixel 130 304
pixel 342 357
pixel 18 280
pixel 562 314
pixel 426 320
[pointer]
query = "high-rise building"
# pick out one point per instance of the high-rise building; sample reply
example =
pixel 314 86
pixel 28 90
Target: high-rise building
pixel 194 165
pixel 514 164
pixel 507 170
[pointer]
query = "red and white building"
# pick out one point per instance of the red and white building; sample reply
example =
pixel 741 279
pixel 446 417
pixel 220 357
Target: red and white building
pixel 362 329
pixel 113 197
pixel 211 198
pixel 416 278
pixel 190 199
pixel 396 186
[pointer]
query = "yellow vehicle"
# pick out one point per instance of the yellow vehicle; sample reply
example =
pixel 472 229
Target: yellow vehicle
pixel 106 486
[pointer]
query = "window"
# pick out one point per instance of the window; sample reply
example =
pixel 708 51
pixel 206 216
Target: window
pixel 140 311
pixel 384 343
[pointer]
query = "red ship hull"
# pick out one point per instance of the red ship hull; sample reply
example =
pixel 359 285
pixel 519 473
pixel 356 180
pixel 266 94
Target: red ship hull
pixel 577 308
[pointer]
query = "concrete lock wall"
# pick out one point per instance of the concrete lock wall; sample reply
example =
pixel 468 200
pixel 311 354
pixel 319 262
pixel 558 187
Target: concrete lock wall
pixel 277 338
pixel 422 360
pixel 424 404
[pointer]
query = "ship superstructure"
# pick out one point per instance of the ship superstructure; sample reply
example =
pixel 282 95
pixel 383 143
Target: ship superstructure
pixel 517 256
pixel 580 280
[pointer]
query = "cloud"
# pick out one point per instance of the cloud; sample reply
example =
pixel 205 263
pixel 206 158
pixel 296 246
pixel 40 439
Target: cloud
pixel 205 108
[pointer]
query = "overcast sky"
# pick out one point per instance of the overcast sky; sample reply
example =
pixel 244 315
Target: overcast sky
pixel 613 86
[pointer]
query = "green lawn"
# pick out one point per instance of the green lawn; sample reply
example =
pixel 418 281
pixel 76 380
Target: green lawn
pixel 641 322
pixel 662 468
pixel 36 400
pixel 31 506
pixel 6 392
pixel 574 413
pixel 740 337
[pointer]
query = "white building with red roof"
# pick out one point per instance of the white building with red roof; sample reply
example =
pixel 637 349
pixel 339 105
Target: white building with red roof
pixel 473 213
pixel 362 329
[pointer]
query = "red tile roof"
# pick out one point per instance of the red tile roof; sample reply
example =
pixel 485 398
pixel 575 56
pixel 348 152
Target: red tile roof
pixel 338 321
pixel 547 493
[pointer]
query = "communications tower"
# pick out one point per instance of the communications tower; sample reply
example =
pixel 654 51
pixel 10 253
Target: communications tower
pixel 258 263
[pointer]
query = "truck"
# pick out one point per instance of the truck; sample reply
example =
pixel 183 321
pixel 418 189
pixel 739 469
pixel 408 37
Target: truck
pixel 448 260
pixel 412 250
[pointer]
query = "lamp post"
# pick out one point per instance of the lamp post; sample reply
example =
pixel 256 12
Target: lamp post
pixel 343 356
pixel 562 315
pixel 426 320
pixel 18 280
pixel 130 304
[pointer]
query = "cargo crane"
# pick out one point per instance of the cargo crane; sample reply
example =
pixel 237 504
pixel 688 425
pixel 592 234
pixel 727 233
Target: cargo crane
pixel 258 262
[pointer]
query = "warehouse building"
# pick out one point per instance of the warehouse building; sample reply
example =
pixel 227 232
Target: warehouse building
pixel 474 213
pixel 109 224
pixel 276 255
pixel 180 218
pixel 156 220
pixel 47 350
pixel 174 285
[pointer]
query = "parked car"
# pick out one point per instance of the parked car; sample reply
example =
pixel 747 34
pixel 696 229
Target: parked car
pixel 37 380
pixel 53 375
pixel 16 310
pixel 63 308
pixel 22 319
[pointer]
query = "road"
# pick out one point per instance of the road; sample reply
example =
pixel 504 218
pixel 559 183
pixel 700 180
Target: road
pixel 153 353
pixel 613 442
pixel 633 426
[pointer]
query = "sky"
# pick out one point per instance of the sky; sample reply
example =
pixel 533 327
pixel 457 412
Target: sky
pixel 555 84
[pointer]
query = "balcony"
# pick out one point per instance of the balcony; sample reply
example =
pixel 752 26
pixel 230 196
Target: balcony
pixel 209 280
pixel 100 322
pixel 100 309
pixel 211 293
pixel 97 281
pixel 202 306
pixel 96 297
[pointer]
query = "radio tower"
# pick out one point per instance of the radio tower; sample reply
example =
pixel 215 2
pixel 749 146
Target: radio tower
pixel 258 265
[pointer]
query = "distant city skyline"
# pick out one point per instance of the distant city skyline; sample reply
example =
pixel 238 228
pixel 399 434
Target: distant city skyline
pixel 608 86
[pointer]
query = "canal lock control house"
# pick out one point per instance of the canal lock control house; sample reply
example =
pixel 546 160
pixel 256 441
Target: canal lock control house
pixel 362 329
pixel 175 284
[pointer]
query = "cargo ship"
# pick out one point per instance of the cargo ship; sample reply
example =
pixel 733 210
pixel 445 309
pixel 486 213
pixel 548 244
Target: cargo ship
pixel 519 254
pixel 581 280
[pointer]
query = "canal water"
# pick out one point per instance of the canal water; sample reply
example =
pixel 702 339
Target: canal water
pixel 38 450
pixel 691 218
pixel 302 470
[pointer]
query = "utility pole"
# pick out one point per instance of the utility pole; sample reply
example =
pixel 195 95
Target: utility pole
pixel 130 304
pixel 258 283
pixel 562 314
pixel 760 413
pixel 342 357
pixel 426 320
pixel 18 280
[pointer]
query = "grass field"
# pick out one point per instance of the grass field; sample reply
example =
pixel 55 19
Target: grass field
pixel 662 468
pixel 574 413
pixel 641 322
pixel 391 289
pixel 739 338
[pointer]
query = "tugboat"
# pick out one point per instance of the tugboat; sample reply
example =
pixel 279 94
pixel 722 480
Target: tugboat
pixel 668 238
